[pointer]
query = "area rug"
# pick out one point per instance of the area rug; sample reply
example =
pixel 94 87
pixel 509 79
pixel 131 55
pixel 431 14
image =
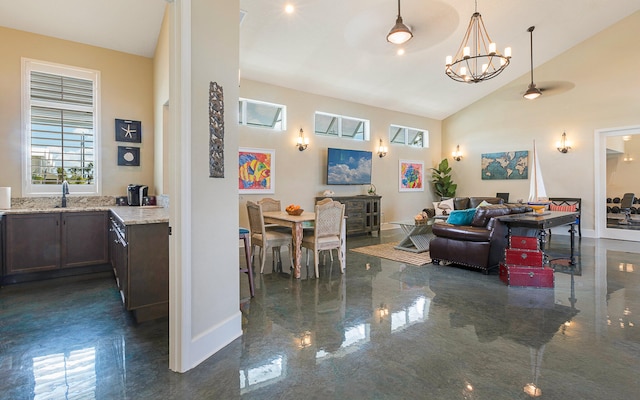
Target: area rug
pixel 386 250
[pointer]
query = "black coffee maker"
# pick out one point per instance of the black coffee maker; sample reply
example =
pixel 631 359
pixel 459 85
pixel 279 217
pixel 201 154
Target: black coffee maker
pixel 135 194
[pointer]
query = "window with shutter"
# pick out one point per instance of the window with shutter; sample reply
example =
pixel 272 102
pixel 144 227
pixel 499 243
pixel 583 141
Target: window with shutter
pixel 60 134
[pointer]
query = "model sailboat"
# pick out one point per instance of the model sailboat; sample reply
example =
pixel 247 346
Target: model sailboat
pixel 537 192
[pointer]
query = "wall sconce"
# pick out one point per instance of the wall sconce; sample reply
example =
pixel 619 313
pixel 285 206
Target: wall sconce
pixel 382 150
pixel 627 158
pixel 562 145
pixel 303 142
pixel 457 154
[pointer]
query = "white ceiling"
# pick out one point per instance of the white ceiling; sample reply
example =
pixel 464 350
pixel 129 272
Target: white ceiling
pixel 337 48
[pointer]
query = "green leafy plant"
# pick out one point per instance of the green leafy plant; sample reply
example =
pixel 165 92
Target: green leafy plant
pixel 441 179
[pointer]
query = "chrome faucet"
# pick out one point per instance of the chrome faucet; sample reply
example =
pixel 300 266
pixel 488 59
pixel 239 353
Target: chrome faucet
pixel 65 192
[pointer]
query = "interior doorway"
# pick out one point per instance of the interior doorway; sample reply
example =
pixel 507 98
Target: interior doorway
pixel 608 142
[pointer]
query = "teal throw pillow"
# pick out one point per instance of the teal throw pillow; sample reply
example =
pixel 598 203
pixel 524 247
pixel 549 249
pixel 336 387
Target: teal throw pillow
pixel 461 217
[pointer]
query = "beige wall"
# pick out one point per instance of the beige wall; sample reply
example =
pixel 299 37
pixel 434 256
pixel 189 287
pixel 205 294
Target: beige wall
pixel 127 92
pixel 300 176
pixel 591 94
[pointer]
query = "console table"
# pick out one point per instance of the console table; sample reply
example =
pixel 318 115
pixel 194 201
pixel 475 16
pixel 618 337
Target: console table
pixel 543 222
pixel 363 213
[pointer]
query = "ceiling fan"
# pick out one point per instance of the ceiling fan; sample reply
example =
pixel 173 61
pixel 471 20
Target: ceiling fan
pixel 533 91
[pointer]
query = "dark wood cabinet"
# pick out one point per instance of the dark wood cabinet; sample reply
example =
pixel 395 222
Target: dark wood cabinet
pixel 84 239
pixel 49 242
pixel 32 243
pixel 140 260
pixel 363 213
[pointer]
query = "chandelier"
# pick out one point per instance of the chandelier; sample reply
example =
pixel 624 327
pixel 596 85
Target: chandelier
pixel 477 59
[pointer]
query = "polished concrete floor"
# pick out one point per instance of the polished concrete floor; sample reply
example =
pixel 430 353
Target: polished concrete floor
pixel 384 330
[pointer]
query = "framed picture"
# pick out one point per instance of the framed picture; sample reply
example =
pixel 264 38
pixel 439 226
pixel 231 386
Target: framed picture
pixel 129 156
pixel 256 170
pixel 505 165
pixel 411 176
pixel 128 131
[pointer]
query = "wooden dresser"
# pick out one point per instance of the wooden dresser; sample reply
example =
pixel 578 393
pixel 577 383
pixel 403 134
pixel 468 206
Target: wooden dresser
pixel 363 213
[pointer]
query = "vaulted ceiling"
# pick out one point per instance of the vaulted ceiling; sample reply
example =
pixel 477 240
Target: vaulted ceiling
pixel 337 48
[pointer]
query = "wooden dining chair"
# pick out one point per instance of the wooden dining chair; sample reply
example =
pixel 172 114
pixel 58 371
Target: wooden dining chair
pixel 264 238
pixel 327 232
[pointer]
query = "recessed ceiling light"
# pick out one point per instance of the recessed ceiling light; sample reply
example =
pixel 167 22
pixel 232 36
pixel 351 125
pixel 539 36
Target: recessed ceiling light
pixel 289 9
pixel 400 52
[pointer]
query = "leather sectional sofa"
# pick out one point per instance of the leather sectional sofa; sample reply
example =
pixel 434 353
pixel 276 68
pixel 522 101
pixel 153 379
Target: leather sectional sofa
pixel 481 244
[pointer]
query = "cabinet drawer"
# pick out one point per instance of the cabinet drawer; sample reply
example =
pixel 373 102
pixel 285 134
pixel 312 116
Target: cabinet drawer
pixel 352 206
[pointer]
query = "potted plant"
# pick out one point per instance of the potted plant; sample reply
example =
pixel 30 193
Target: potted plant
pixel 441 178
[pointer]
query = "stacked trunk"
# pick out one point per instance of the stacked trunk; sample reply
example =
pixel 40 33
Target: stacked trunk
pixel 524 264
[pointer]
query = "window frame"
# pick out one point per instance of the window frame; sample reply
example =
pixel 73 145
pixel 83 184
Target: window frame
pixel 339 121
pixel 242 114
pixel 406 130
pixel 29 189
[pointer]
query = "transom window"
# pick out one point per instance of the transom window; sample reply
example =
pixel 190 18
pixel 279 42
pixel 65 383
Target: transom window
pixel 408 136
pixel 60 115
pixel 341 126
pixel 262 114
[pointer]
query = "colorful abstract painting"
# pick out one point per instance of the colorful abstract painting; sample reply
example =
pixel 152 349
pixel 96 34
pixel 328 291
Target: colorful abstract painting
pixel 411 176
pixel 256 171
pixel 505 165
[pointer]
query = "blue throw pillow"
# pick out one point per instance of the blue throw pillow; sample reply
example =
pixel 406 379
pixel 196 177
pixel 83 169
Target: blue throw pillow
pixel 461 217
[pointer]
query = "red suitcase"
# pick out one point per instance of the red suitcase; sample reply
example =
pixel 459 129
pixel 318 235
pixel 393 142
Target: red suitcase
pixel 516 275
pixel 524 243
pixel 528 258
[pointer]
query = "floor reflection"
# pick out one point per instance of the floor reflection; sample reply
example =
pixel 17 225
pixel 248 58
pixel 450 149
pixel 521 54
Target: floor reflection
pixel 382 330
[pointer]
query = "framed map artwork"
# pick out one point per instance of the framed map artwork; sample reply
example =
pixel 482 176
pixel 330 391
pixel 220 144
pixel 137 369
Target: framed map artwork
pixel 256 171
pixel 411 176
pixel 505 165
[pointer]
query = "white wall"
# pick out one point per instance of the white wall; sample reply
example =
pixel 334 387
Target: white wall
pixel 204 287
pixel 591 94
pixel 301 176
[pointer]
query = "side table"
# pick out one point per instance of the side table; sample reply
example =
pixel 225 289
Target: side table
pixel 417 236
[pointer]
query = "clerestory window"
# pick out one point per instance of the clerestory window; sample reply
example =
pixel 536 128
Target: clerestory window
pixel 412 137
pixel 341 126
pixel 262 114
pixel 60 129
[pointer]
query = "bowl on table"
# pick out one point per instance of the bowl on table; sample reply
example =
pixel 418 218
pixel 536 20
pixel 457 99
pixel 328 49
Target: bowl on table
pixel 537 209
pixel 297 211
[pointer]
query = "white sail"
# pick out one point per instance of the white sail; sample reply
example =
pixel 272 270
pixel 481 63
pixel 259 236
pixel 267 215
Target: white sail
pixel 537 192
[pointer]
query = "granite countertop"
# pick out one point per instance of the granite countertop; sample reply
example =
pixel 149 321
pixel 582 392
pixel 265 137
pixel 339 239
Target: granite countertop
pixel 127 215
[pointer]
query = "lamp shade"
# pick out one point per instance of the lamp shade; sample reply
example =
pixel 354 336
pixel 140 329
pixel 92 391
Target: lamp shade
pixel 400 33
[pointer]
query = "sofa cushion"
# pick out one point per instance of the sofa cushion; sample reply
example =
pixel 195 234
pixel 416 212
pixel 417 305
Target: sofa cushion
pixel 571 208
pixel 443 207
pixel 461 203
pixel 475 201
pixel 484 214
pixel 461 217
pixel 464 233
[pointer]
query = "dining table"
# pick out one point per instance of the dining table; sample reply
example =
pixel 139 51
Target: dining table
pixel 296 222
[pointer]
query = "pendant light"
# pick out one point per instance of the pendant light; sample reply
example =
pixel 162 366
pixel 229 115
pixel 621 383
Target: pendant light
pixel 532 92
pixel 400 33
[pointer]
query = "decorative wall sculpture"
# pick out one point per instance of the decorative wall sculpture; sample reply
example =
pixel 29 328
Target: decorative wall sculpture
pixel 216 131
